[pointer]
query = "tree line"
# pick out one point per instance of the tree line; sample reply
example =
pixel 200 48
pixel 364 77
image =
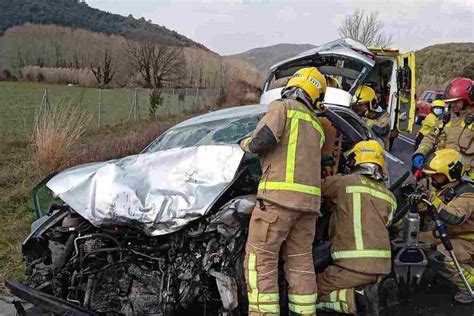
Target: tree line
pixel 117 61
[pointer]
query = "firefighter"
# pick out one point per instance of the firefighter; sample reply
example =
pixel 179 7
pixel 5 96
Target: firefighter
pixel 430 121
pixel 453 197
pixel 456 133
pixel 288 139
pixel 361 209
pixel 364 103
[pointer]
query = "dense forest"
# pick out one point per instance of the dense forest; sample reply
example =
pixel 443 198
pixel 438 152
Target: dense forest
pixel 76 14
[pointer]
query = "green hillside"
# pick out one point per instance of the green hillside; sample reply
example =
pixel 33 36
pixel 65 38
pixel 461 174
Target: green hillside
pixel 263 57
pixel 438 64
pixel 75 14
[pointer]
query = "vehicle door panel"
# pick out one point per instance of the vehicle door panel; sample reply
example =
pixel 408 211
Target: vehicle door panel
pixel 406 91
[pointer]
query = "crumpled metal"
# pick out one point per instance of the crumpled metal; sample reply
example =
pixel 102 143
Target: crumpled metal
pixel 157 192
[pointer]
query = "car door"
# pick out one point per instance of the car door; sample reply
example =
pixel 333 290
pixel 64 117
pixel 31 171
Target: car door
pixel 406 91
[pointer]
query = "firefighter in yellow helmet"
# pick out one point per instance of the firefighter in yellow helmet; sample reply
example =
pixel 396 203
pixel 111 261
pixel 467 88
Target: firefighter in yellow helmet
pixel 431 120
pixel 364 103
pixel 454 199
pixel 361 208
pixel 457 129
pixel 288 139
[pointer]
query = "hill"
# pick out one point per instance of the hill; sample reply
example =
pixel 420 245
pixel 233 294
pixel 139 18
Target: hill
pixel 76 14
pixel 438 64
pixel 263 57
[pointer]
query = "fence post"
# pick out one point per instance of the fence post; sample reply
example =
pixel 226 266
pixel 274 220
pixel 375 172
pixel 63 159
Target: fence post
pixel 130 112
pixel 196 97
pixel 135 101
pixel 99 118
pixel 44 106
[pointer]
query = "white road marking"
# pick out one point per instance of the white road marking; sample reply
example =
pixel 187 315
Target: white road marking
pixel 406 139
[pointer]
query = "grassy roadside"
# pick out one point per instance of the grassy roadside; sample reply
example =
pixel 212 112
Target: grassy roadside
pixel 15 220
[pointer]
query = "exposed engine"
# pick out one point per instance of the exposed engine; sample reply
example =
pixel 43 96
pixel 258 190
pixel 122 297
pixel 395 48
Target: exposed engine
pixel 121 270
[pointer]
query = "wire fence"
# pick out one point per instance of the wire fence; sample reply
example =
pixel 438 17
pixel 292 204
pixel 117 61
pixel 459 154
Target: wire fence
pixel 106 106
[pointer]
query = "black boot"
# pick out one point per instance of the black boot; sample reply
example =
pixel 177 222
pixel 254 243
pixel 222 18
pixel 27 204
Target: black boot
pixel 388 294
pixel 367 299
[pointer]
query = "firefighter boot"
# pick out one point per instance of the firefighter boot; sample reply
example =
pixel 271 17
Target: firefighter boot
pixel 367 299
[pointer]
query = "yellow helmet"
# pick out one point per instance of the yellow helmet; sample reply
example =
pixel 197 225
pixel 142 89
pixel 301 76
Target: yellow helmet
pixel 311 81
pixel 365 95
pixel 448 162
pixel 368 151
pixel 438 103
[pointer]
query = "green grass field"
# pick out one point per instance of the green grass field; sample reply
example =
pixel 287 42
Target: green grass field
pixel 20 100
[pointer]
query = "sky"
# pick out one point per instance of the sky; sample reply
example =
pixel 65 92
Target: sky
pixel 233 26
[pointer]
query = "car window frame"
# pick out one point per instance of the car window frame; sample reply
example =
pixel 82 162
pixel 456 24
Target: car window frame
pixel 429 96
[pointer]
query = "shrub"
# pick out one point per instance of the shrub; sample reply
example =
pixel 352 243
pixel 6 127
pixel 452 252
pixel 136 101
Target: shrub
pixel 56 137
pixel 82 77
pixel 156 101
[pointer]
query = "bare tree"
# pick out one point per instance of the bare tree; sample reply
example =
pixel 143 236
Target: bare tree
pixel 366 28
pixel 157 64
pixel 103 71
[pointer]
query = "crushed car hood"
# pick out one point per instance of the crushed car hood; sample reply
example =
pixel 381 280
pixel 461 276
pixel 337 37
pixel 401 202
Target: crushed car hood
pixel 158 192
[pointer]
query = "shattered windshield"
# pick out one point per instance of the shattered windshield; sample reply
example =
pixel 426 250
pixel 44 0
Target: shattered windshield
pixel 228 131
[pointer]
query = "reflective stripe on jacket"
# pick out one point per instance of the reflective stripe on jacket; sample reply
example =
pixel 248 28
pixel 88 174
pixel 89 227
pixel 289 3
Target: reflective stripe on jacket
pixel 361 209
pixel 291 167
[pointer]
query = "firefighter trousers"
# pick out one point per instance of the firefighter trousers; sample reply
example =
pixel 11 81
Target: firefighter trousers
pixel 336 289
pixel 273 228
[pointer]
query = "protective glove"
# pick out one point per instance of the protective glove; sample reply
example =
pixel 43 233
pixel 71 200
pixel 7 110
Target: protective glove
pixel 418 160
pixel 415 199
pixel 244 143
pixel 435 200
